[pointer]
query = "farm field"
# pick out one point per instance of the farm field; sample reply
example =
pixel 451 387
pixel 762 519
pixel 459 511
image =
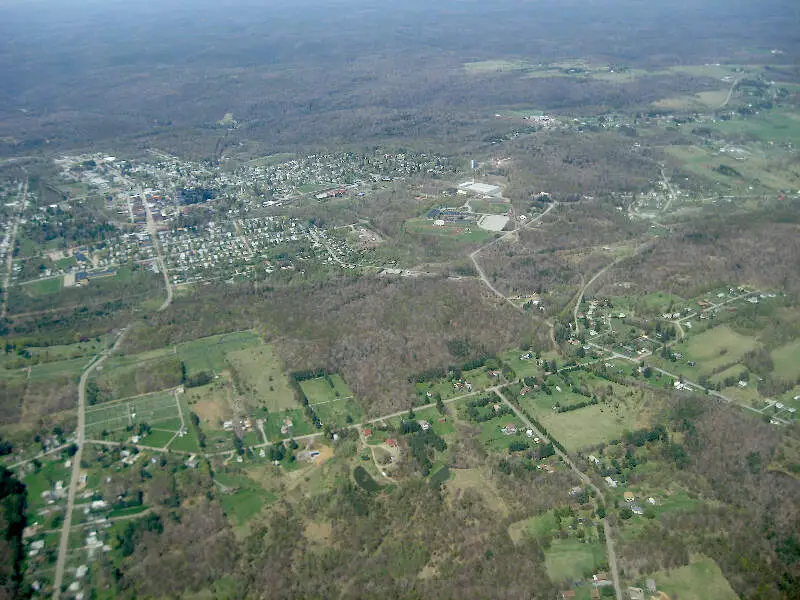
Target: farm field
pixel 568 560
pixel 259 374
pixel 585 426
pixel 209 354
pixel 151 409
pixel 718 346
pixel 699 580
pixel 332 400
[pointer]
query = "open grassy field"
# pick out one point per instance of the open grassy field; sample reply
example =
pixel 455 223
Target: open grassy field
pixel 568 560
pixel 490 208
pixel 585 426
pixel 717 347
pixel 699 580
pixel 209 354
pixel 275 420
pixel 151 409
pixel 69 368
pixel 332 400
pixel 157 438
pixel 787 361
pixel 475 479
pixel 42 287
pixel 497 66
pixel 469 233
pixel 537 527
pixel 259 375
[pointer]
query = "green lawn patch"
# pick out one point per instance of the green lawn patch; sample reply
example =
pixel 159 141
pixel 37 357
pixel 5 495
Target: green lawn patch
pixel 568 560
pixel 43 287
pixel 157 438
pixel 242 505
pixel 699 580
pixel 787 361
pixel 275 421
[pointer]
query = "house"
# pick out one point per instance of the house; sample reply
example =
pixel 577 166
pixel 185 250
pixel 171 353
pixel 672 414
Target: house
pixel 610 482
pixel 594 459
pixel 509 429
pixel 629 497
pixel 391 442
pixel 424 425
pixel 637 510
pixel 367 432
pixel 651 586
pixel 529 433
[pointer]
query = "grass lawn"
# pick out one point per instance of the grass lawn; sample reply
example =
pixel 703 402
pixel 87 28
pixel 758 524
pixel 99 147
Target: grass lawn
pixel 43 287
pixel 242 505
pixel 157 438
pixel 187 443
pixel 42 481
pixel 567 560
pixel 259 373
pixel 699 580
pixel 492 435
pixel 320 390
pixel 300 425
pixel 585 426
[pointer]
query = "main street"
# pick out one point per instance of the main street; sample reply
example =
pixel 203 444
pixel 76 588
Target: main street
pixel 11 241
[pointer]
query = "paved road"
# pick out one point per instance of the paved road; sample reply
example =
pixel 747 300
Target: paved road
pixel 63 546
pixel 612 556
pixel 12 236
pixel 474 256
pixel 730 93
pixel 151 226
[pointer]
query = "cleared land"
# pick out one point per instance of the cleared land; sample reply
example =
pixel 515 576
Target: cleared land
pixel 568 560
pixel 718 347
pixel 153 409
pixel 700 580
pixel 586 426
pixel 259 374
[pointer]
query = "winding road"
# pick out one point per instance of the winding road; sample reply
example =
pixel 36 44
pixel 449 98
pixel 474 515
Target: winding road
pixel 474 255
pixel 612 556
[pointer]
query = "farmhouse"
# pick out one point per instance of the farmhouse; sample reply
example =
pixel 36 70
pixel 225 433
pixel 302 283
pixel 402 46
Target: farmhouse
pixel 629 497
pixel 509 429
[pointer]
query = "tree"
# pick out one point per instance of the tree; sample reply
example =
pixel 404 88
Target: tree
pixel 625 513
